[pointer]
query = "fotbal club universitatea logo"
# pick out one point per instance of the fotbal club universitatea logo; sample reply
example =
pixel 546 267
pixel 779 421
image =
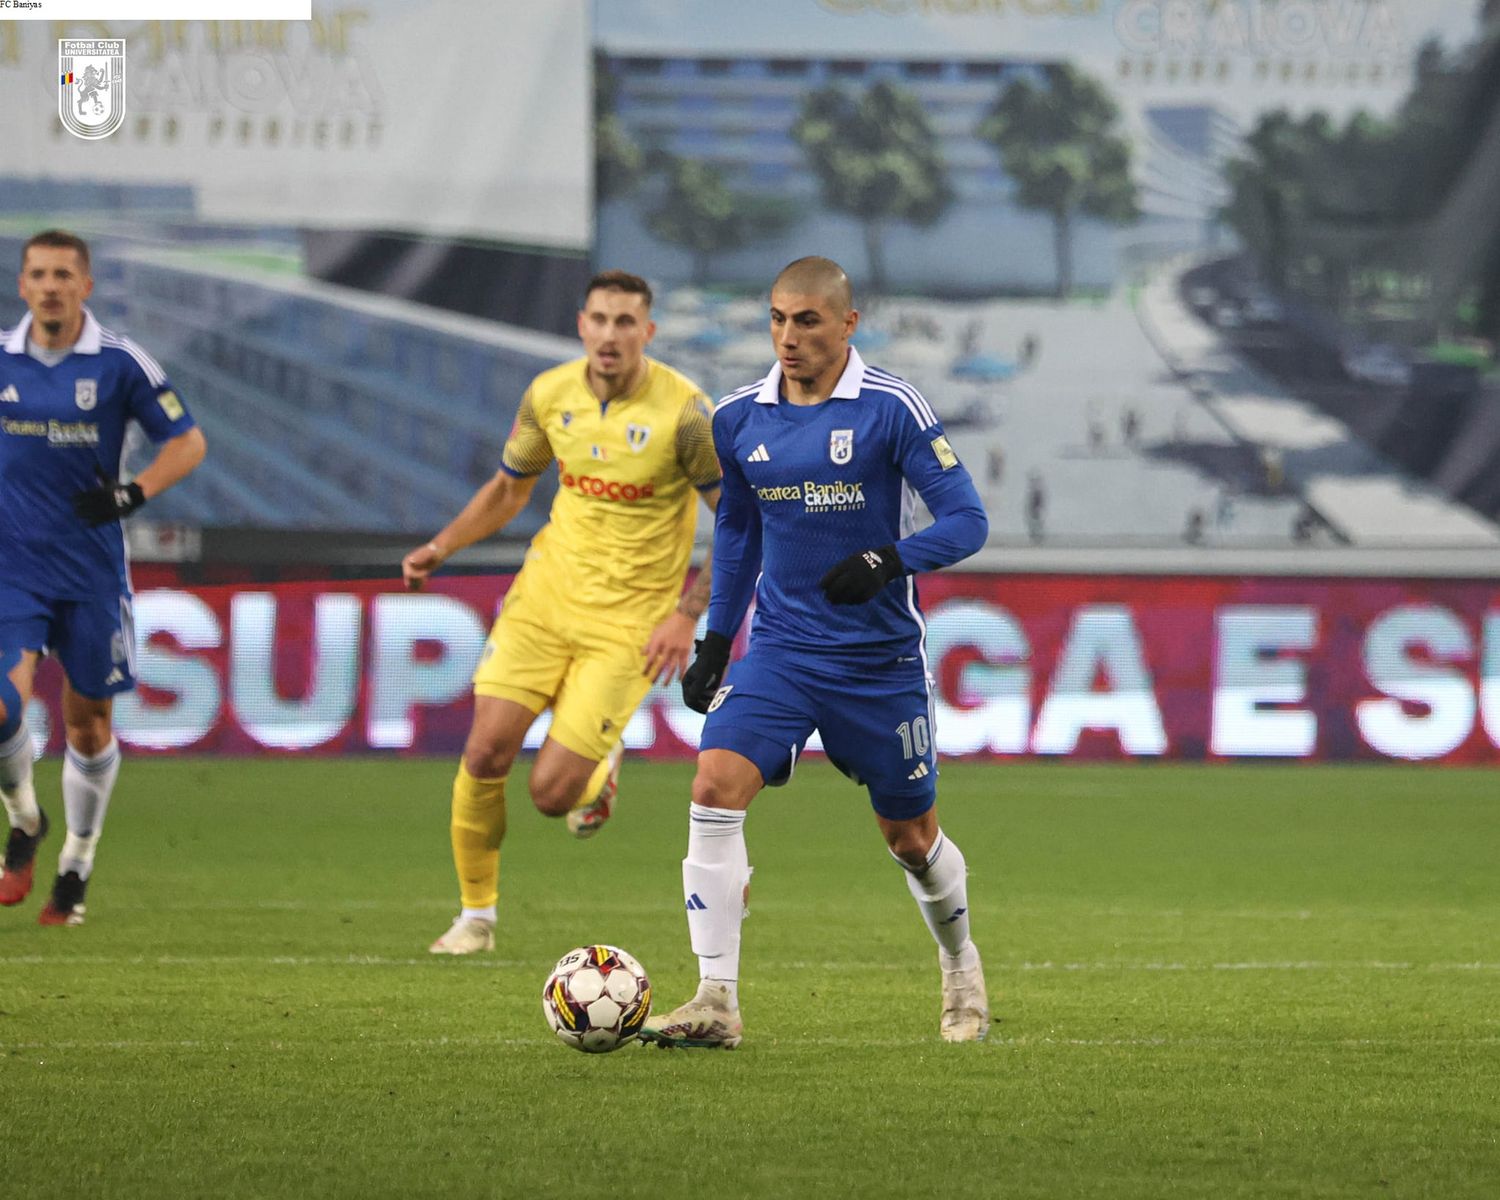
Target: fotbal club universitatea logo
pixel 91 85
pixel 841 446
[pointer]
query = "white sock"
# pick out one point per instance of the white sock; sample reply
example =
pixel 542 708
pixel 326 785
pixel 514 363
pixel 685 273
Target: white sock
pixel 16 788
pixel 715 874
pixel 479 914
pixel 86 786
pixel 940 888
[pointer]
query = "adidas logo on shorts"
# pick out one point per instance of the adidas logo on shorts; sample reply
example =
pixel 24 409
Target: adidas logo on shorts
pixel 920 773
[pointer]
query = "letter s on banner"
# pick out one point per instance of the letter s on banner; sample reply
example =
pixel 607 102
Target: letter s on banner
pixel 194 710
pixel 1444 692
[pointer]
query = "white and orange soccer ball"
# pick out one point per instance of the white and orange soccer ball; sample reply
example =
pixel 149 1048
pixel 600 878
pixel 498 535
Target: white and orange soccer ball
pixel 597 998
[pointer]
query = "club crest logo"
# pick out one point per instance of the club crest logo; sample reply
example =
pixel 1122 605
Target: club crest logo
pixel 86 393
pixel 91 85
pixel 637 436
pixel 841 445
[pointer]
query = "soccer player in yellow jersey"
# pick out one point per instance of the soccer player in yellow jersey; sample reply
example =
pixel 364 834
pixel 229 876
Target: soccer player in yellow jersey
pixel 597 612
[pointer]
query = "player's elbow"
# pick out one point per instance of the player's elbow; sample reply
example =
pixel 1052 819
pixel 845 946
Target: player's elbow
pixel 193 448
pixel 512 490
pixel 974 530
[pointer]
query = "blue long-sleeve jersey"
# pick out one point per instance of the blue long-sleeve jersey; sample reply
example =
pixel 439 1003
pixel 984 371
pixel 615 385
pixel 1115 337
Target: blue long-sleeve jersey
pixel 806 486
pixel 60 426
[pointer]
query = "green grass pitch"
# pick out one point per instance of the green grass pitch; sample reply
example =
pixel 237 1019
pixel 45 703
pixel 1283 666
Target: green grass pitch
pixel 1233 981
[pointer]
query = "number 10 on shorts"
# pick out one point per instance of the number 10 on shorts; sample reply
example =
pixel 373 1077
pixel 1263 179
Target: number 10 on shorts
pixel 915 739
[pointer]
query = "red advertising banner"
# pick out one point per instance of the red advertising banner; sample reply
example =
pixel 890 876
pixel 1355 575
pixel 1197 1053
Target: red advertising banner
pixel 1073 666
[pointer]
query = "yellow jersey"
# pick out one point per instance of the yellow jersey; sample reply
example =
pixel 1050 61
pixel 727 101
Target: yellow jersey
pixel 620 533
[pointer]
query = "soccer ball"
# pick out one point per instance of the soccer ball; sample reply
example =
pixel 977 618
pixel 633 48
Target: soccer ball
pixel 596 999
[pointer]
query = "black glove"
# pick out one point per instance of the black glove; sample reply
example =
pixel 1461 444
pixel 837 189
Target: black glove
pixel 701 680
pixel 860 577
pixel 110 501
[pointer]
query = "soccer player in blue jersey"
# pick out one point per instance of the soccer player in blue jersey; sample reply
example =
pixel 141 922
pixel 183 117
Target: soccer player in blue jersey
pixel 820 461
pixel 68 388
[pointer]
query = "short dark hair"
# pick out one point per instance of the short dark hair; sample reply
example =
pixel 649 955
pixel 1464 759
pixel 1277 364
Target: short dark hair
pixel 62 240
pixel 818 275
pixel 618 281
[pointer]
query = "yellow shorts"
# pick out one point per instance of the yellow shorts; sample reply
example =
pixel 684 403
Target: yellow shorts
pixel 590 672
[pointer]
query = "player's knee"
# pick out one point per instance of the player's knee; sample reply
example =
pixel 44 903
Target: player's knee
pixel 486 762
pixel 712 789
pixel 11 705
pixel 707 791
pixel 89 740
pixel 554 795
pixel 911 842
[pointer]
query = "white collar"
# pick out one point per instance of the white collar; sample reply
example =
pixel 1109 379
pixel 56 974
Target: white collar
pixel 90 339
pixel 847 388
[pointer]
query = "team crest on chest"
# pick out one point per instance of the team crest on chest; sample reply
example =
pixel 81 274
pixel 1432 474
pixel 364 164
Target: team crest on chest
pixel 86 393
pixel 567 419
pixel 841 445
pixel 636 436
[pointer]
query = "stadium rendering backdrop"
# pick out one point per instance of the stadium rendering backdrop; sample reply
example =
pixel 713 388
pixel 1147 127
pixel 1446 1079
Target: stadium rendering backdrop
pixel 1070 666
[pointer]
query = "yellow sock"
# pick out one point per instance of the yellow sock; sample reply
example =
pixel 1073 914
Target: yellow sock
pixel 595 784
pixel 477 829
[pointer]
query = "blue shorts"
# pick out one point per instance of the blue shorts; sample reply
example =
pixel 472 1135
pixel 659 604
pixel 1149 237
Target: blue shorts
pixel 875 722
pixel 93 639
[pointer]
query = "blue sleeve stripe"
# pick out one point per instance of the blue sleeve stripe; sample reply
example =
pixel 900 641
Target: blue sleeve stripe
pixel 913 399
pixel 155 376
pixel 519 474
pixel 708 487
pixel 739 394
pixel 900 385
pixel 911 407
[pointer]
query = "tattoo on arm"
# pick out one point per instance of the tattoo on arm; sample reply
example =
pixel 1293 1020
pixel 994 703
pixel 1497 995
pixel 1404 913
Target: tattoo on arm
pixel 695 600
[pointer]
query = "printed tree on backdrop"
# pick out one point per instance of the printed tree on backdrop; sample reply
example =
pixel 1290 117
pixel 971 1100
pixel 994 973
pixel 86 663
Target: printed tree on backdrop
pixel 1338 213
pixel 700 212
pixel 876 158
pixel 619 163
pixel 1061 145
pixel 1268 187
pixel 1303 191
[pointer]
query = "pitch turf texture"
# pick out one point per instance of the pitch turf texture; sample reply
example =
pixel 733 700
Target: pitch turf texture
pixel 1208 982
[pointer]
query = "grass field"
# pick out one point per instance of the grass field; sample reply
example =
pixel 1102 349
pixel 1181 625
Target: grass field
pixel 1208 982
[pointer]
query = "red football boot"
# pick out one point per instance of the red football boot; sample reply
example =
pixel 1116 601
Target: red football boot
pixel 65 905
pixel 20 861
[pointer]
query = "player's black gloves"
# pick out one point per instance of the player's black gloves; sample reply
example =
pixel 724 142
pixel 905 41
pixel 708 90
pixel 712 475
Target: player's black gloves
pixel 110 501
pixel 702 678
pixel 860 577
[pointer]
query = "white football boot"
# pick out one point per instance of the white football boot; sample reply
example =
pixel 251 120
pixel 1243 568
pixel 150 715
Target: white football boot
pixel 705 1022
pixel 467 935
pixel 966 1007
pixel 588 819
